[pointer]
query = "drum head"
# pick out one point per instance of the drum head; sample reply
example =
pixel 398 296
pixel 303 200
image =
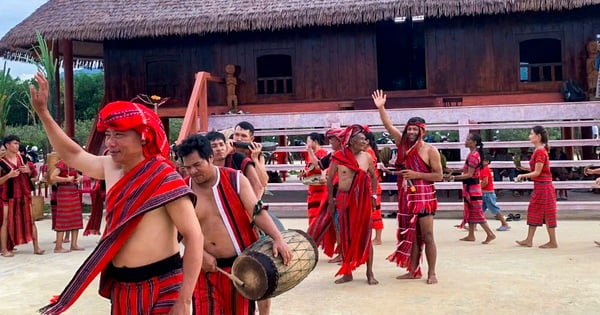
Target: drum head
pixel 259 274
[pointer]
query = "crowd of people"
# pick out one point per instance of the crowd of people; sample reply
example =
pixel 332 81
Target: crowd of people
pixel 210 200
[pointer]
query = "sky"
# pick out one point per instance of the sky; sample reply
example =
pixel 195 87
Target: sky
pixel 12 12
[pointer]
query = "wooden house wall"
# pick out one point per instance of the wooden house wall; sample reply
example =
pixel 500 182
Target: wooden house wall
pixel 480 55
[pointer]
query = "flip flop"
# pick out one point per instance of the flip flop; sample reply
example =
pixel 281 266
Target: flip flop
pixel 510 217
pixel 517 217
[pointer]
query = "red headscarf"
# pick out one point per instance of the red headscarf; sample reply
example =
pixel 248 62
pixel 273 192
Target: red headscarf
pixel 123 116
pixel 350 132
pixel 334 132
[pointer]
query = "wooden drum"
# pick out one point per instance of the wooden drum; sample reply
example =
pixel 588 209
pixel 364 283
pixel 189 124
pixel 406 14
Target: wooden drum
pixel 265 276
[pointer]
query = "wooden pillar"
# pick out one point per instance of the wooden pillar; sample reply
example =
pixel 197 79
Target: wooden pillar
pixel 165 122
pixel 567 134
pixel 67 46
pixel 588 152
pixel 57 104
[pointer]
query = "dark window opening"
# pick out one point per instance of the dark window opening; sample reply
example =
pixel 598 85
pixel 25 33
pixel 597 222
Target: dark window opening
pixel 274 74
pixel 540 60
pixel 162 77
pixel 401 56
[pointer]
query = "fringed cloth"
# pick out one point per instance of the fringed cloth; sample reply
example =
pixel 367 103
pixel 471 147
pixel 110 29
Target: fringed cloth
pixel 16 195
pixel 542 205
pixel 354 213
pixel 376 216
pixel 150 185
pixel 471 192
pixel 316 193
pixel 410 205
pixel 98 195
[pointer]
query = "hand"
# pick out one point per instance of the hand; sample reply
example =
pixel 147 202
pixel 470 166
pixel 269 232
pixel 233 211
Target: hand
pixel 379 98
pixel 180 308
pixel 25 169
pixel 520 177
pixel 323 178
pixel 255 150
pixel 39 97
pixel 14 173
pixel 280 247
pixel 209 263
pixel 598 181
pixel 78 179
pixel 409 174
pixel 70 179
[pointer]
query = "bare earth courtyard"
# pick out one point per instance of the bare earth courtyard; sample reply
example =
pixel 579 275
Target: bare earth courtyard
pixel 500 278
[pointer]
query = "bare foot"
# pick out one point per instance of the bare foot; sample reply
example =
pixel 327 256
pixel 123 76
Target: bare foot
pixel 597 243
pixel 39 251
pixel 549 245
pixel 468 239
pixel 336 259
pixel 344 279
pixel 371 279
pixel 61 250
pixel 432 279
pixel 524 243
pixel 8 254
pixel 489 238
pixel 406 276
pixel 77 248
pixel 376 242
pixel 66 241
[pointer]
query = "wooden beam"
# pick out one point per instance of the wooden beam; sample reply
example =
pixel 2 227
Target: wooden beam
pixel 67 48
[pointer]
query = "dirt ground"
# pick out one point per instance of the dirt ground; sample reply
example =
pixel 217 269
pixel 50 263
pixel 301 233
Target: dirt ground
pixel 500 278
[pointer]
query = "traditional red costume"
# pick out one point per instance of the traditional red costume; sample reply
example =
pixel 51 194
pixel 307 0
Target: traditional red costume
pixel 68 210
pixel 316 193
pixel 16 194
pixel 376 217
pixel 542 206
pixel 215 292
pixel 472 195
pixel 354 210
pixel 412 204
pixel 151 184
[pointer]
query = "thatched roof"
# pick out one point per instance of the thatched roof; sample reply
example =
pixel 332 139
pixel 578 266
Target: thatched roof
pixel 98 20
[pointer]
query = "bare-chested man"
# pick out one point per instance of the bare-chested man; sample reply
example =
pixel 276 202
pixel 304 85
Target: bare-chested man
pixel 419 167
pixel 226 207
pixel 148 203
pixel 354 202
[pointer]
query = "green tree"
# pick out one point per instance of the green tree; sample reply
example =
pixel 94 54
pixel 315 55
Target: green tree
pixel 88 92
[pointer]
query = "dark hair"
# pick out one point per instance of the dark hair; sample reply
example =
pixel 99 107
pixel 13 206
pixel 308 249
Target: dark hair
pixel 246 126
pixel 317 137
pixel 487 157
pixel 373 143
pixel 198 143
pixel 416 120
pixel 543 133
pixel 477 138
pixel 214 136
pixel 10 138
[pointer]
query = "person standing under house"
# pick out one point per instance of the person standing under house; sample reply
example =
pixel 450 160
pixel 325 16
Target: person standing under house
pixel 542 205
pixel 16 173
pixel 376 217
pixel 316 191
pixel 227 209
pixel 354 202
pixel 148 206
pixel 472 195
pixel 420 166
pixel 489 196
pixel 68 215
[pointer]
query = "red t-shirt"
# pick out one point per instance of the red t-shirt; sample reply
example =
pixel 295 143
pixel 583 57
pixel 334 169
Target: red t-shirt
pixel 486 172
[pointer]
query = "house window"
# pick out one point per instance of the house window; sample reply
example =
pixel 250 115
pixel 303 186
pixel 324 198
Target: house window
pixel 274 74
pixel 540 60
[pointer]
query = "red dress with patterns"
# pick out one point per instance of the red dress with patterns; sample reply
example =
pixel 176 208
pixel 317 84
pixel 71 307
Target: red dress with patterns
pixel 412 205
pixel 472 195
pixel 316 193
pixel 354 213
pixel 376 217
pixel 16 195
pixel 322 228
pixel 542 206
pixel 214 292
pixel 150 185
pixel 68 202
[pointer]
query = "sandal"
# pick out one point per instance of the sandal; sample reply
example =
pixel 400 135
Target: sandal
pixel 509 217
pixel 517 217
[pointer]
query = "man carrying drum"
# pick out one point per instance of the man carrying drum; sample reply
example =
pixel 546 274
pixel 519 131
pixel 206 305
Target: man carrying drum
pixel 227 208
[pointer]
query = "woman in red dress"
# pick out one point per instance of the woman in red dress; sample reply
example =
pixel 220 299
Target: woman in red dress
pixel 542 206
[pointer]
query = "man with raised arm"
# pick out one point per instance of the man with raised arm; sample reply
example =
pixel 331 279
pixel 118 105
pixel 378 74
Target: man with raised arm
pixel 227 210
pixel 147 205
pixel 419 167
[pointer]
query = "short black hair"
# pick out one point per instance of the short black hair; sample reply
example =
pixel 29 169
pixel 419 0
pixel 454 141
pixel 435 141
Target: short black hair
pixel 198 143
pixel 10 138
pixel 246 126
pixel 317 137
pixel 214 136
pixel 416 120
